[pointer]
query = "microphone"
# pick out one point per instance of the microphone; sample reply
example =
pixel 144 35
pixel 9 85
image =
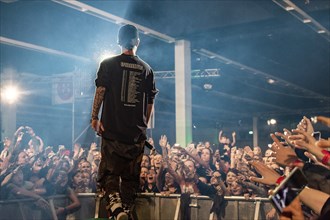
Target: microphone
pixel 148 145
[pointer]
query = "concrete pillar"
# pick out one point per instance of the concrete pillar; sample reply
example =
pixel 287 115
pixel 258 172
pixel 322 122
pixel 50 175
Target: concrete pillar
pixel 255 131
pixel 183 109
pixel 8 119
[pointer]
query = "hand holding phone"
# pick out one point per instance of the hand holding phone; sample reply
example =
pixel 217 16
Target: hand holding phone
pixel 288 189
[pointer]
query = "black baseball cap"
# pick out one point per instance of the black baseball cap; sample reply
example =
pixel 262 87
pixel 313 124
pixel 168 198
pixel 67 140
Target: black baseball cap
pixel 126 34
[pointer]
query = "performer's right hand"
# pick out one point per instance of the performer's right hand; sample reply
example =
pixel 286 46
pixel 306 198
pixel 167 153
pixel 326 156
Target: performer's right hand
pixel 97 126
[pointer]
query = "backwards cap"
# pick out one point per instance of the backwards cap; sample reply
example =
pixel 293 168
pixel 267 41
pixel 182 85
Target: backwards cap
pixel 126 34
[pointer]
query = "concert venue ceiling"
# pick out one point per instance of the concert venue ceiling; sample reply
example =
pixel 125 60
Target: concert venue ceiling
pixel 249 58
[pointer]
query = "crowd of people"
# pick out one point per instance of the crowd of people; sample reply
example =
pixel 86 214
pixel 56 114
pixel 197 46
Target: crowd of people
pixel 29 169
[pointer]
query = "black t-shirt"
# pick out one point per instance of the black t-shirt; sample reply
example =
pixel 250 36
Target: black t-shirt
pixel 130 87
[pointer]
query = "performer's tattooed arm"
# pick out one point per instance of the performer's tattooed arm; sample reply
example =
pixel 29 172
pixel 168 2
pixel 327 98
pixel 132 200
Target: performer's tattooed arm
pixel 98 99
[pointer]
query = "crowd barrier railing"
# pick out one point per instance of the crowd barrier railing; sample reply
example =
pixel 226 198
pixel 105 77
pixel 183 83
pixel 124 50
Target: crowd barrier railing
pixel 149 206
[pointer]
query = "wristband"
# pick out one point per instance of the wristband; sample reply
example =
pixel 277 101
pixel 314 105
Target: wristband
pixel 326 157
pixel 280 179
pixel 297 162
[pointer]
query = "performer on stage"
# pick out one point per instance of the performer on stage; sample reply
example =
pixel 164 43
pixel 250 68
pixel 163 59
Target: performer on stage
pixel 125 85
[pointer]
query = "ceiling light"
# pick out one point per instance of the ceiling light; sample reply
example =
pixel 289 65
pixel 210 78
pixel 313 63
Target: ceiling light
pixel 271 122
pixel 321 31
pixel 289 8
pixel 307 21
pixel 271 81
pixel 207 86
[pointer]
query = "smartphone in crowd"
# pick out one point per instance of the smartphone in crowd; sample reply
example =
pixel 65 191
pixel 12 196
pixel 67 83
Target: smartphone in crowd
pixel 288 189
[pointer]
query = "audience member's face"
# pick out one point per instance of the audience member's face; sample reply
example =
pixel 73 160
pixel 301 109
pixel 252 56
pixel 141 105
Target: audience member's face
pixel 144 173
pixel 30 152
pixel 169 179
pixel 145 161
pixel 77 180
pixel 206 155
pixel 96 155
pixel 22 158
pixel 80 163
pixel 257 151
pixel 189 169
pixel 61 179
pixel 268 153
pixel 151 176
pixel 200 147
pixel 95 166
pixel 86 167
pixel 224 140
pixel 207 144
pixel 269 161
pixel 215 178
pixel 236 189
pixel 158 160
pixel 37 165
pixel 231 177
pixel 86 178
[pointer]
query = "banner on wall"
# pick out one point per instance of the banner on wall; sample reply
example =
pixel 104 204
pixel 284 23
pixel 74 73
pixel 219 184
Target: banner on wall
pixel 62 88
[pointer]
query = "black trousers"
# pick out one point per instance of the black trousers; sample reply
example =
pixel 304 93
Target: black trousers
pixel 119 170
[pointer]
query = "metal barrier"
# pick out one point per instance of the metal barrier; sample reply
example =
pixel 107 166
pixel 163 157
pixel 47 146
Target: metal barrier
pixel 149 206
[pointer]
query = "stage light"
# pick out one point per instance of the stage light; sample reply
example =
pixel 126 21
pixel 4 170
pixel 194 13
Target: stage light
pixel 250 132
pixel 271 121
pixel 289 8
pixel 271 81
pixel 10 94
pixel 207 86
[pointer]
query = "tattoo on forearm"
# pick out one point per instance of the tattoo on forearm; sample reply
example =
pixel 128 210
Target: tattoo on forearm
pixel 98 99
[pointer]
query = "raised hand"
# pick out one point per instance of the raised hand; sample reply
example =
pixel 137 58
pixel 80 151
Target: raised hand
pixel 269 176
pixel 292 211
pixel 285 156
pixel 93 146
pixel 163 141
pixel 307 142
pixel 285 136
